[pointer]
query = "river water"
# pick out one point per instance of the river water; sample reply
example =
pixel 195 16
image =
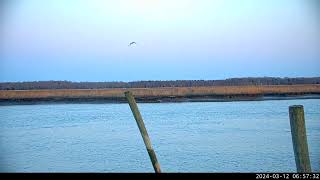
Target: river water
pixel 247 136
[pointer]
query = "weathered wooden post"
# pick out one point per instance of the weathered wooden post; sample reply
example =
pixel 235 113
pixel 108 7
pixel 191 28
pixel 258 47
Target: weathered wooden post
pixel 299 138
pixel 143 131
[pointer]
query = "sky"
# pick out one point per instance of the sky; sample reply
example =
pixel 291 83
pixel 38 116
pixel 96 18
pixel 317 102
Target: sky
pixel 87 40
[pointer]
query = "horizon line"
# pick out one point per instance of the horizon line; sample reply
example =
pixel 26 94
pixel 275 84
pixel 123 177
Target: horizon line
pixel 119 81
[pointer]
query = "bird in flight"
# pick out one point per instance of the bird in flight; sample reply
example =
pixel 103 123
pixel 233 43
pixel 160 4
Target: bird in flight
pixel 132 43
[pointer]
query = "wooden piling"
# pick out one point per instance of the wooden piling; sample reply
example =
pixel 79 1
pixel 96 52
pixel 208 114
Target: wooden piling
pixel 143 131
pixel 299 138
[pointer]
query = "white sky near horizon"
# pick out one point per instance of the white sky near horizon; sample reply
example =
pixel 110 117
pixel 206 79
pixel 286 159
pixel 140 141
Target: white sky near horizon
pixel 87 40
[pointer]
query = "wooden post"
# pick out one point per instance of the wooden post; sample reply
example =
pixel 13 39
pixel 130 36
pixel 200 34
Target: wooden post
pixel 299 138
pixel 143 131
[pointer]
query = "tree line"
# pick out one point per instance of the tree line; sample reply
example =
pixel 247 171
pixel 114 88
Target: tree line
pixel 156 84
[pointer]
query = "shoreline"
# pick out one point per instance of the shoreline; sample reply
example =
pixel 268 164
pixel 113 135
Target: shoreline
pixel 162 95
pixel 154 99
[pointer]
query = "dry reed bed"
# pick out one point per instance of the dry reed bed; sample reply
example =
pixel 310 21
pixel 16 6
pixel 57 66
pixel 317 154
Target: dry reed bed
pixel 161 92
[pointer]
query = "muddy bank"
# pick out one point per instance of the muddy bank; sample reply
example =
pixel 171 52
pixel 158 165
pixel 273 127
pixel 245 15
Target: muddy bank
pixel 220 98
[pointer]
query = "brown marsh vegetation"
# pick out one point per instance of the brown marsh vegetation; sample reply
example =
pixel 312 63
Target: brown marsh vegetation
pixel 163 92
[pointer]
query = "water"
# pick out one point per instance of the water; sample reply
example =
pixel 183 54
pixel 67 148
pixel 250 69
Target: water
pixel 187 137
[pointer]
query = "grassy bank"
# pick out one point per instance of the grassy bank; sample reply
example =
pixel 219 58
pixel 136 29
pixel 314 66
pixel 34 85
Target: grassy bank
pixel 162 94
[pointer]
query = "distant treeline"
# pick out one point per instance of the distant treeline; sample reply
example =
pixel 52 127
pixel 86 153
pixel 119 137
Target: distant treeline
pixel 156 84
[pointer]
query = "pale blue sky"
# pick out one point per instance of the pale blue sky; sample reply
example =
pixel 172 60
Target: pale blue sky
pixel 87 40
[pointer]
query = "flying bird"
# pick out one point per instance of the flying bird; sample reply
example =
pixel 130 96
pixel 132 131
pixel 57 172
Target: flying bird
pixel 132 43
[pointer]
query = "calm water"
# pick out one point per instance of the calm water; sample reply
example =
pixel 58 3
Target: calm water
pixel 187 137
